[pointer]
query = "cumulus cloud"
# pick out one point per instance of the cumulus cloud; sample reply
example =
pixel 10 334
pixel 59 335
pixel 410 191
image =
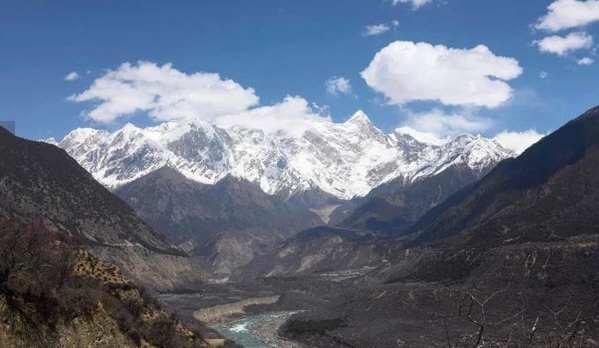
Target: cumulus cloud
pixel 562 45
pixel 442 124
pixel 416 4
pixel 567 14
pixel 375 29
pixel 405 71
pixel 395 23
pixel 543 75
pixel 72 76
pixel 336 85
pixel 585 61
pixel 164 93
pixel 518 141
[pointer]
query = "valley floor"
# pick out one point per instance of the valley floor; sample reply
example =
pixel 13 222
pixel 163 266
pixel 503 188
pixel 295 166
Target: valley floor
pixel 536 293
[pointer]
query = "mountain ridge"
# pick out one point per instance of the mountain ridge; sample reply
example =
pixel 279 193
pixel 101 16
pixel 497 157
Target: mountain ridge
pixel 344 160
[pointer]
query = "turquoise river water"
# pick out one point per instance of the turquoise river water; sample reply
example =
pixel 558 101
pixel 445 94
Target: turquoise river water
pixel 256 331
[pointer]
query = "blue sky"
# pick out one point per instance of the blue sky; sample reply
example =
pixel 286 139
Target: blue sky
pixel 428 74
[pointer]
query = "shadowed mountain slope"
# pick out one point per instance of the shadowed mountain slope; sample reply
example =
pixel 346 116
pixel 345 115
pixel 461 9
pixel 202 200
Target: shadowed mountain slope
pixel 41 182
pixel 396 205
pixel 547 193
pixel 187 211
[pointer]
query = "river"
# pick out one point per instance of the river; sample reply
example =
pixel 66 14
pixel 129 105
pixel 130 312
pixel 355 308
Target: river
pixel 258 331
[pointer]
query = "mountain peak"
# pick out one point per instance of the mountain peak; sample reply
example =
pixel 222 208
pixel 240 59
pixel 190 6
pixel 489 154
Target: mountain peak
pixel 359 118
pixel 130 128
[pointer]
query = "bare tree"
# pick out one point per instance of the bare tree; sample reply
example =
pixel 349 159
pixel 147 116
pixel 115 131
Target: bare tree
pixel 473 309
pixel 22 264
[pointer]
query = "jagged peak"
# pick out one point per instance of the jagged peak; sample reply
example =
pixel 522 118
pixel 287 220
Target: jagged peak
pixel 359 117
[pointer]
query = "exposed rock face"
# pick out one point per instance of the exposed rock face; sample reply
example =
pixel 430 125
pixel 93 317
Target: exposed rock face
pixel 41 183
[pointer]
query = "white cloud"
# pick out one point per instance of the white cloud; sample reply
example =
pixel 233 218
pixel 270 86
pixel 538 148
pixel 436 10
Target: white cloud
pixel 416 4
pixel 427 138
pixel 442 124
pixel 562 45
pixel 336 85
pixel 585 61
pixel 405 71
pixel 518 141
pixel 378 29
pixel 164 93
pixel 71 76
pixel 375 29
pixel 566 14
pixel 543 75
pixel 293 116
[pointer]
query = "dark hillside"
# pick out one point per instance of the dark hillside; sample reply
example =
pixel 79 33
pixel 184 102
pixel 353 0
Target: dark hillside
pixel 41 182
pixel 553 182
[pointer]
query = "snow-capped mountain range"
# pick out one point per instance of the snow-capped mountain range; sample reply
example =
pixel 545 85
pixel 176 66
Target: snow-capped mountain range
pixel 343 159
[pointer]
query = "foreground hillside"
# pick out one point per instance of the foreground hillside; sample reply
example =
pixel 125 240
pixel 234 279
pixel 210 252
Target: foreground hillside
pixel 40 182
pixel 55 294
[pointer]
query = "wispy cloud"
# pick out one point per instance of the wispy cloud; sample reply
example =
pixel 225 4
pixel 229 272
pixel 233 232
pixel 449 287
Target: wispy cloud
pixel 443 124
pixel 336 85
pixel 518 141
pixel 585 61
pixel 376 29
pixel 416 4
pixel 72 76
